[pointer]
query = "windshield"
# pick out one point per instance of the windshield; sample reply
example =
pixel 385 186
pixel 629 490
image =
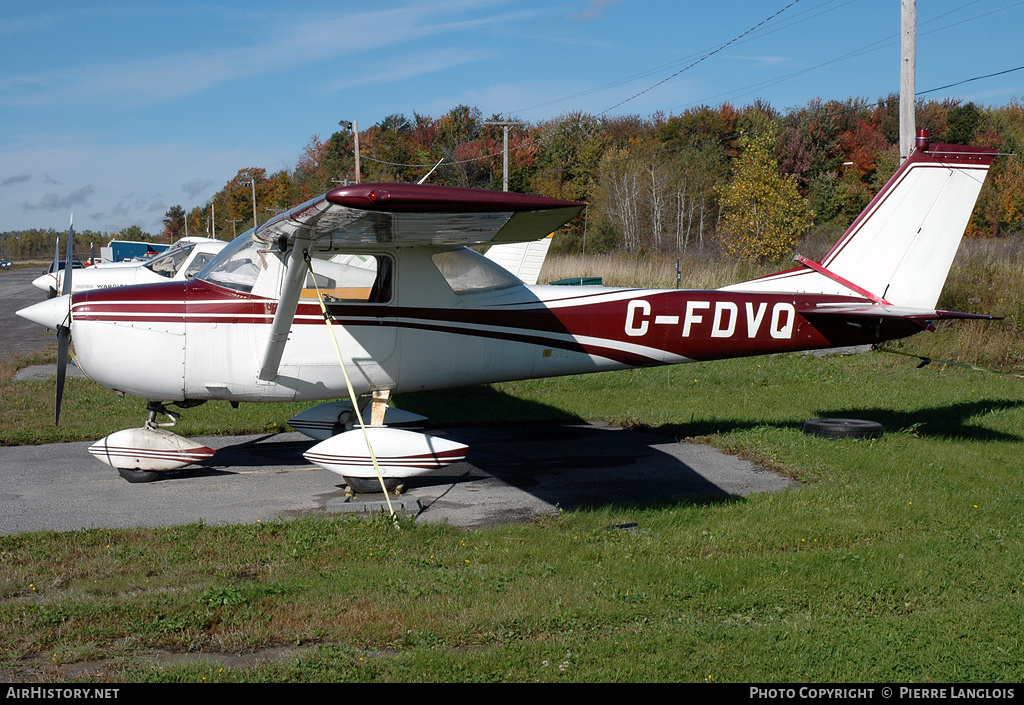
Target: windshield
pixel 168 264
pixel 237 266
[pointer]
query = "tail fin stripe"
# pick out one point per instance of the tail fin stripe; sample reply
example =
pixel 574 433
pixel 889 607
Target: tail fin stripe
pixel 810 264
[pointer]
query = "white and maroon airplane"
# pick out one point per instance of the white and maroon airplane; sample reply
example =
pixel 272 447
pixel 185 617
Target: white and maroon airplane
pixel 410 307
pixel 180 261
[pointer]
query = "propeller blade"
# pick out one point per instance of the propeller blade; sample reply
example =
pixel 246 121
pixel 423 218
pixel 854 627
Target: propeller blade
pixel 71 254
pixel 64 331
pixel 56 268
pixel 63 340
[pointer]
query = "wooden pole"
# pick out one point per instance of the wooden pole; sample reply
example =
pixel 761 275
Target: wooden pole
pixel 908 61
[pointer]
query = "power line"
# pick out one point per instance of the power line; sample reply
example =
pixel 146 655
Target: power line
pixel 708 55
pixel 884 42
pixel 793 123
pixel 968 80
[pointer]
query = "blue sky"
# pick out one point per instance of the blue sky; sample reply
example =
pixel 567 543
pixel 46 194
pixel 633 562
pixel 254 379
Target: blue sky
pixel 117 111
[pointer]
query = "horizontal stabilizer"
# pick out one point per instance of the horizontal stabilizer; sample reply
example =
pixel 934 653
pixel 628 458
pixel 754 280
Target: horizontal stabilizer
pixel 857 311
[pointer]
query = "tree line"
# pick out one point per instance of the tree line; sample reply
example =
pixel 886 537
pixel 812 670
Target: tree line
pixel 747 180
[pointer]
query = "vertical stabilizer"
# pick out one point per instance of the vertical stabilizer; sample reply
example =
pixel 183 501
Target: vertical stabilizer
pixel 900 248
pixel 523 259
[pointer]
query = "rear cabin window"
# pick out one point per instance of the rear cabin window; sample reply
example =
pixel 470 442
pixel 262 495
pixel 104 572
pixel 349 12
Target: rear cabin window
pixel 467 271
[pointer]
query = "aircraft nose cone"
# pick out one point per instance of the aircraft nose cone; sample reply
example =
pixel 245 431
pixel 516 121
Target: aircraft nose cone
pixel 50 313
pixel 45 282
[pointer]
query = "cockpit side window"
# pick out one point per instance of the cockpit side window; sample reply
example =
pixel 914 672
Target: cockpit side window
pixel 246 267
pixel 364 278
pixel 237 267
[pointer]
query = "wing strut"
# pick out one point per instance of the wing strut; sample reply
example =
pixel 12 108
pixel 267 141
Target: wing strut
pixel 286 306
pixel 351 390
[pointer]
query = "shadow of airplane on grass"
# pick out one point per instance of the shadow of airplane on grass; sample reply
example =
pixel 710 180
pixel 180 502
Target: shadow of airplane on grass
pixel 951 421
pixel 564 461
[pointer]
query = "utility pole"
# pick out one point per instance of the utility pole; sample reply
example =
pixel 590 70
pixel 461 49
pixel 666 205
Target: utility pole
pixel 908 66
pixel 354 126
pixel 506 125
pixel 251 182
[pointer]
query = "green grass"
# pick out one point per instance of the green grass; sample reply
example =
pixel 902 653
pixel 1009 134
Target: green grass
pixel 896 560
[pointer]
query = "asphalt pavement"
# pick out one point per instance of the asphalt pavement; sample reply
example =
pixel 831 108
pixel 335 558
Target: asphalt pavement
pixel 18 336
pixel 513 473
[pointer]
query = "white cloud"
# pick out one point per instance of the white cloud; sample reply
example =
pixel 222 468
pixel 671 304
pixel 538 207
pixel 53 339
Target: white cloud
pixel 279 48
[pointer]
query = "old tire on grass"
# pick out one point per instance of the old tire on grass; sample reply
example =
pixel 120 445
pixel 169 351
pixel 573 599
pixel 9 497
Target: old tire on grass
pixel 843 428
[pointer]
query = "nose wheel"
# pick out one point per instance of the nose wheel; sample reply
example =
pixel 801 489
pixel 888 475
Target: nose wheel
pixel 371 485
pixel 142 454
pixel 138 476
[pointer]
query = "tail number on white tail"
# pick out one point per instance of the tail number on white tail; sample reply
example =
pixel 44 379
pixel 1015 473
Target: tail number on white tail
pixel 724 318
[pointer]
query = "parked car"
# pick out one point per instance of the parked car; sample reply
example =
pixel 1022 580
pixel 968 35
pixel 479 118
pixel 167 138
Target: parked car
pixel 5 263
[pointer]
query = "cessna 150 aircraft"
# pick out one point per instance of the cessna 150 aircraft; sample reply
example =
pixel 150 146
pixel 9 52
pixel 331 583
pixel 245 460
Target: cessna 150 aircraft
pixel 371 290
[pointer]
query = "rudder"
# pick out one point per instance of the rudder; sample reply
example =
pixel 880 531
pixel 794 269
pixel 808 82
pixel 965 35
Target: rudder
pixel 900 248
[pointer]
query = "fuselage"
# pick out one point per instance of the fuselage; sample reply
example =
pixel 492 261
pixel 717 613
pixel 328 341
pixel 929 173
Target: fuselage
pixel 179 262
pixel 199 340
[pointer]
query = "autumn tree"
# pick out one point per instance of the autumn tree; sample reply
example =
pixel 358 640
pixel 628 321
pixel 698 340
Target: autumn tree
pixel 389 151
pixel 620 197
pixel 339 156
pixel 133 233
pixel 961 123
pixel 762 211
pixel 311 176
pixel 174 224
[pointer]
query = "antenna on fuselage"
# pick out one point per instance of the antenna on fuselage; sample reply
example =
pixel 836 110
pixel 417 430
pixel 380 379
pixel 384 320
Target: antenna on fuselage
pixel 430 172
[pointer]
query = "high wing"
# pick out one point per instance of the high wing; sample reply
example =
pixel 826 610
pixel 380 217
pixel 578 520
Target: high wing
pixel 399 215
pixel 412 214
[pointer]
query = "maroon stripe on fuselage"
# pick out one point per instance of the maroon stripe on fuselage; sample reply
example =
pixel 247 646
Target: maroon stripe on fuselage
pixel 698 325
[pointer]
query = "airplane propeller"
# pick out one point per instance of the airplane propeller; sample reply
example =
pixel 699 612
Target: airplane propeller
pixel 64 329
pixel 55 269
